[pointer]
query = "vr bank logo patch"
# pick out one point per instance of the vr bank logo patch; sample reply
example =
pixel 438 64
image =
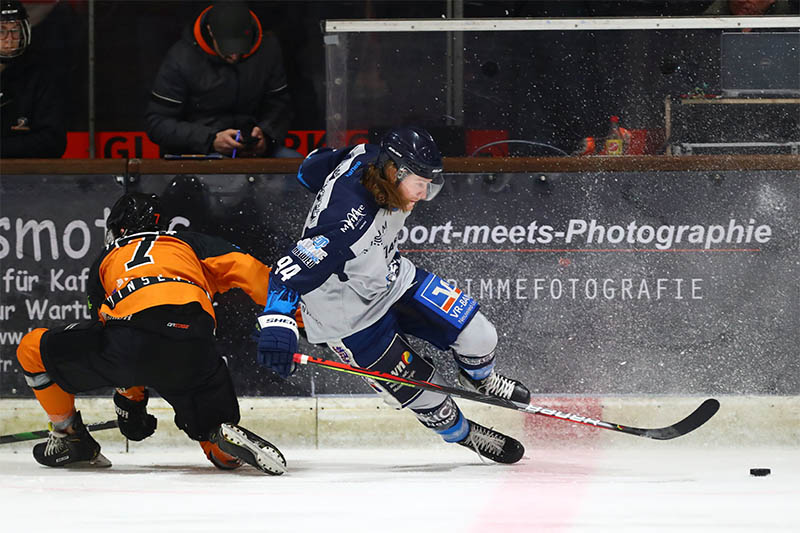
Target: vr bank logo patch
pixel 448 302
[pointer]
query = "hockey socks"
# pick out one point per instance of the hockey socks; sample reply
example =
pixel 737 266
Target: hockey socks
pixel 445 419
pixel 458 431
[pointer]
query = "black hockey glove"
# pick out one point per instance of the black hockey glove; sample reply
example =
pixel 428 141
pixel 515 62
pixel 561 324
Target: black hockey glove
pixel 134 421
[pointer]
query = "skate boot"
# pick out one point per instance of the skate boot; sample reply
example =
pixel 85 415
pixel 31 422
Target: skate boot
pixel 249 448
pixel 492 444
pixel 218 458
pixel 78 450
pixel 496 385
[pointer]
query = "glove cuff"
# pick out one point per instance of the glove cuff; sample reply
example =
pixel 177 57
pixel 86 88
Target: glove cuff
pixel 126 408
pixel 282 321
pixel 136 394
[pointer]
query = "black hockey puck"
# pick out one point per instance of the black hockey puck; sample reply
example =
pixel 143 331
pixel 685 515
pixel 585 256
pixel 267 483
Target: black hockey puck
pixel 760 472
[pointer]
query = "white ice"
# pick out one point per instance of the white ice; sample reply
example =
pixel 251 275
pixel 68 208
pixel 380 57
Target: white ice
pixel 447 489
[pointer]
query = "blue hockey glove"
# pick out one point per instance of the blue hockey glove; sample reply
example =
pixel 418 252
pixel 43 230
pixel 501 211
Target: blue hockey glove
pixel 277 343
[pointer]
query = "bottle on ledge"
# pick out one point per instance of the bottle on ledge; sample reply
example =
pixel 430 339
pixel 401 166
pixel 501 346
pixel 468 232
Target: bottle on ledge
pixel 614 144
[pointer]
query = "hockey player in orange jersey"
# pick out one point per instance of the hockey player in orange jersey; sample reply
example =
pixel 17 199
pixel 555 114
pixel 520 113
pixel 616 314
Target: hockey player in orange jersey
pixel 152 291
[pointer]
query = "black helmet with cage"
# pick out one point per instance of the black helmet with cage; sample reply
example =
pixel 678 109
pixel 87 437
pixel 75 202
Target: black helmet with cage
pixel 132 213
pixel 413 151
pixel 15 24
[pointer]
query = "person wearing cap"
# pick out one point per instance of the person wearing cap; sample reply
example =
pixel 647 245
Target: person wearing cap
pixel 222 89
pixel 32 114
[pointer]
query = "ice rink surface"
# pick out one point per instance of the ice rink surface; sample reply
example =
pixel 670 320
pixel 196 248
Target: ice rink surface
pixel 652 487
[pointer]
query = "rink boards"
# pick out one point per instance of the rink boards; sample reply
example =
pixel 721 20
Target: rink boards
pixel 365 421
pixel 600 284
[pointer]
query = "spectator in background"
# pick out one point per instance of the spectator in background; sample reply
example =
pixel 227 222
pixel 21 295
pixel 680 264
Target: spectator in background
pixel 32 112
pixel 222 88
pixel 60 47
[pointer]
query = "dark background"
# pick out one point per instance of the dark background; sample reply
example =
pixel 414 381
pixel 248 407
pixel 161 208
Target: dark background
pixel 550 87
pixel 740 338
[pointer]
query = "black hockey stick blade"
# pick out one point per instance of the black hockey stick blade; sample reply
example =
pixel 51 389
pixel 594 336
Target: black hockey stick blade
pixel 43 433
pixel 697 418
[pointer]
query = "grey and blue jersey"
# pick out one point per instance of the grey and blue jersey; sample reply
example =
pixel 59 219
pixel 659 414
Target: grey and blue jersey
pixel 346 268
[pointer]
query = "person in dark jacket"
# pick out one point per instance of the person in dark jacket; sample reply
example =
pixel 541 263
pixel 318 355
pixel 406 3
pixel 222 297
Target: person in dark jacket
pixel 222 89
pixel 32 112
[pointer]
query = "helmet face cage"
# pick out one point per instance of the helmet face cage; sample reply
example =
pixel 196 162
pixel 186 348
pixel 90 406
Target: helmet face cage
pixel 14 17
pixel 132 213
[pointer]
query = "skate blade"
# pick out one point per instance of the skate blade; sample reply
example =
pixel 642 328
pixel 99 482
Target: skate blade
pixel 98 462
pixel 268 460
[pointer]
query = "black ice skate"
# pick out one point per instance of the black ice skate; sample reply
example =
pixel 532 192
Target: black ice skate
pixel 498 386
pixel 492 444
pixel 250 448
pixel 78 450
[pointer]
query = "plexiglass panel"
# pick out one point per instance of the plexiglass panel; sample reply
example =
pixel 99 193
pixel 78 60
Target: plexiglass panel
pixel 548 90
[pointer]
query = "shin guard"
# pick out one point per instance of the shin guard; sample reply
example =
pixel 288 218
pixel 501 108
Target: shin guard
pixel 445 419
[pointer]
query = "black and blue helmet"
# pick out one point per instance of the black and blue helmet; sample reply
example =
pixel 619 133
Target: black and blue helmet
pixel 413 150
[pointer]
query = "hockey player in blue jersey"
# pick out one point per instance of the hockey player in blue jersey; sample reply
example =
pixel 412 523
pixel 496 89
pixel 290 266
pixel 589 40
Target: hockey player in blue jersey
pixel 362 298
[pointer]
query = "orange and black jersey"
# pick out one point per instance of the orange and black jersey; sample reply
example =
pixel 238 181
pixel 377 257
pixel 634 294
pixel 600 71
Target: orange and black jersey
pixel 157 268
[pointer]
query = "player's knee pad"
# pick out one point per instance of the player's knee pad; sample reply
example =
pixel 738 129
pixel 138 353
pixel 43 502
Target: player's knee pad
pixel 29 356
pixel 445 419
